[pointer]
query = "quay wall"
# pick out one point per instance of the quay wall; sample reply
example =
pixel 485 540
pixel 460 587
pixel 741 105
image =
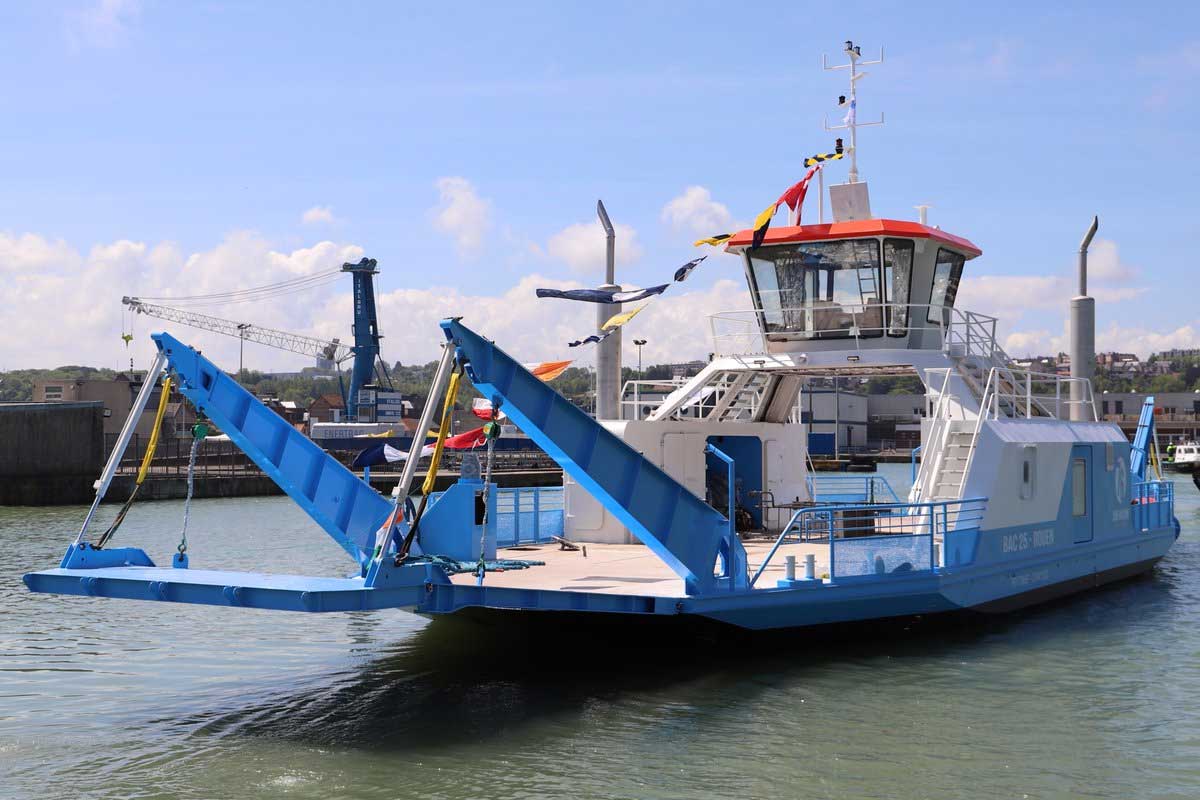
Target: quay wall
pixel 50 453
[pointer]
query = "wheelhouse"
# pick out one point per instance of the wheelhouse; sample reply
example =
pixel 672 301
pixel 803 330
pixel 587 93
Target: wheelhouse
pixel 882 283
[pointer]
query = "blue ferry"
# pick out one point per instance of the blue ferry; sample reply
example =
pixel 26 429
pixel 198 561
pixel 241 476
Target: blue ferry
pixel 700 502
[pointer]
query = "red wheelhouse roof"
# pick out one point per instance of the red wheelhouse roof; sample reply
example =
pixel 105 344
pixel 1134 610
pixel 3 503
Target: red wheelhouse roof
pixel 856 230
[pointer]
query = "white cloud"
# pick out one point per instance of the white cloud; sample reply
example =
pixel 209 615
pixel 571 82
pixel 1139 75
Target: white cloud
pixel 1143 341
pixel 103 23
pixel 582 247
pixel 317 214
pixel 1010 296
pixel 462 214
pixel 533 329
pixel 30 253
pixel 73 300
pixel 696 212
pixel 1020 344
pixel 80 293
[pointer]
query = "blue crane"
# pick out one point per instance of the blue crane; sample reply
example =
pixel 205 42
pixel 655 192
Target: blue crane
pixel 364 351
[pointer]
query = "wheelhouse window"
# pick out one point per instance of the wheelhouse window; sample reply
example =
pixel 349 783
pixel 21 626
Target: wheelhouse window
pixel 819 290
pixel 946 274
pixel 897 280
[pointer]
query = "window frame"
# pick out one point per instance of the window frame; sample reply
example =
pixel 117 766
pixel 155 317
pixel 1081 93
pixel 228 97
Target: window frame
pixel 890 327
pixel 814 335
pixel 940 312
pixel 1079 488
pixel 1028 488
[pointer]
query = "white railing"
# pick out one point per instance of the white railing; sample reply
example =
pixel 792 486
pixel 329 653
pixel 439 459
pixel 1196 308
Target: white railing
pixel 961 333
pixel 1015 393
pixel 934 449
pixel 646 394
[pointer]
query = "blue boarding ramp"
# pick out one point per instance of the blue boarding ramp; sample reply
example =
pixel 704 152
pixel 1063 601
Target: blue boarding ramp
pixel 346 508
pixel 1143 441
pixel 690 536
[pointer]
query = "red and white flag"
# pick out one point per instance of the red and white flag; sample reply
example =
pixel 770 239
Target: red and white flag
pixel 466 441
pixel 482 408
pixel 794 196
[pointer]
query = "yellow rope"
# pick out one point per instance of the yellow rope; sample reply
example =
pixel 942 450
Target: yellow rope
pixel 443 429
pixel 158 418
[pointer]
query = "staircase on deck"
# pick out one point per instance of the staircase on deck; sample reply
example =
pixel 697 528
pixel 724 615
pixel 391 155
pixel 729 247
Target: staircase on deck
pixel 994 391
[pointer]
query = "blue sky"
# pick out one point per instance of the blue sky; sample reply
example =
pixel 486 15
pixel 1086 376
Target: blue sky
pixel 161 147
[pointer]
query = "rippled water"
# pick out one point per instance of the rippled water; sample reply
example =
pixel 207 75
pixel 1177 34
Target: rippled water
pixel 1093 697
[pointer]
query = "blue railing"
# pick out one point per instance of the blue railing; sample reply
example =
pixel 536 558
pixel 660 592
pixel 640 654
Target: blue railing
pixel 1153 505
pixel 527 515
pixel 881 539
pixel 851 489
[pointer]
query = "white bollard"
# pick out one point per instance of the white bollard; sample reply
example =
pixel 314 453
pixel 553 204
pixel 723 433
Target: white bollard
pixel 790 567
pixel 810 567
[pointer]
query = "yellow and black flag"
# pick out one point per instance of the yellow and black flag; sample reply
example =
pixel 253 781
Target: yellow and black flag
pixel 715 241
pixel 762 222
pixel 820 157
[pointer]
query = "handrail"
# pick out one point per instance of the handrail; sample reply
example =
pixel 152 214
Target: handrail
pixel 938 432
pixel 974 332
pixel 1153 504
pixel 934 519
pixel 870 487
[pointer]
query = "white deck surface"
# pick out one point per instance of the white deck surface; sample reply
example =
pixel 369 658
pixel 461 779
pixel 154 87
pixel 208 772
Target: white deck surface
pixel 628 568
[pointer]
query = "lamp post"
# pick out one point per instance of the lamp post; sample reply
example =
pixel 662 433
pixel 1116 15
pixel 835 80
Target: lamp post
pixel 242 326
pixel 637 385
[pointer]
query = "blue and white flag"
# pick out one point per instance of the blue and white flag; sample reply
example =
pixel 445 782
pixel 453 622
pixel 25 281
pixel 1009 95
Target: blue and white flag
pixel 595 338
pixel 384 453
pixel 603 295
pixel 682 273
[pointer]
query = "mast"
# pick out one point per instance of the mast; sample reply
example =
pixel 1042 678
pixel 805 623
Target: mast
pixel 850 121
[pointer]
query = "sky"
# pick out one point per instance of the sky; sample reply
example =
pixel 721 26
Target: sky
pixel 170 149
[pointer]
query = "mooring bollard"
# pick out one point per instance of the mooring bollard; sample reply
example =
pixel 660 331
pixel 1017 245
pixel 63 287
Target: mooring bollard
pixel 810 567
pixel 790 567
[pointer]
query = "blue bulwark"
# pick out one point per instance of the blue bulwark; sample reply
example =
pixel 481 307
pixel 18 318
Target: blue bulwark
pixel 344 506
pixel 683 530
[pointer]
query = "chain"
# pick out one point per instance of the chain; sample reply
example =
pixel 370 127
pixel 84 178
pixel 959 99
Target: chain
pixel 187 501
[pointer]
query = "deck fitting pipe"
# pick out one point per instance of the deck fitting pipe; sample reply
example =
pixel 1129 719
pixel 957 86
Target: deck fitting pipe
pixel 1083 333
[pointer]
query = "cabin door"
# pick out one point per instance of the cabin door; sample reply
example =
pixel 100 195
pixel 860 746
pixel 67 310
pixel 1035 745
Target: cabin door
pixel 1081 501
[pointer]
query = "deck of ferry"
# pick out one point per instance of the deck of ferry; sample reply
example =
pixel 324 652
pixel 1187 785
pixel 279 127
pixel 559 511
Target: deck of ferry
pixel 630 568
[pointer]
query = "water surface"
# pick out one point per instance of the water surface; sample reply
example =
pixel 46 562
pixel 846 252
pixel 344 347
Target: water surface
pixel 1094 697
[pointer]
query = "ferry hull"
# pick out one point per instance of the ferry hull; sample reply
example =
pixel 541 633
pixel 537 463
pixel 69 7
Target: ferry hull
pixel 1082 583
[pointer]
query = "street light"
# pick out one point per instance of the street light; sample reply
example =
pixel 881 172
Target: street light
pixel 637 385
pixel 242 327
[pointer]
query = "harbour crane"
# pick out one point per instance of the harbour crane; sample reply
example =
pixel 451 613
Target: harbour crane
pixel 364 351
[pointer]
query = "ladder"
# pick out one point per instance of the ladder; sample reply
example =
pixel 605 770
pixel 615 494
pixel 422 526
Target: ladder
pixel 868 295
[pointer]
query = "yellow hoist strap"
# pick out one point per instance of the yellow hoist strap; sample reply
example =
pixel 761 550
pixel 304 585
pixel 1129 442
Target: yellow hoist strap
pixel 443 429
pixel 158 418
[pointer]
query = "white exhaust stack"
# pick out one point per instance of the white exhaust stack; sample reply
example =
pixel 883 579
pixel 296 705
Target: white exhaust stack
pixel 1083 330
pixel 608 352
